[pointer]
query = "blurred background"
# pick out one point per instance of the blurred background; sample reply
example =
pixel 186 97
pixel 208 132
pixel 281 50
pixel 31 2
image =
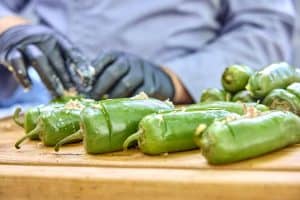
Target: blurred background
pixel 296 53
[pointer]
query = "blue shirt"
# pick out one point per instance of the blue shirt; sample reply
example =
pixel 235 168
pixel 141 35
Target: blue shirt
pixel 196 39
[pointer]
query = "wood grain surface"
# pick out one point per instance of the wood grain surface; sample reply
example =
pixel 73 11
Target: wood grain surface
pixel 37 172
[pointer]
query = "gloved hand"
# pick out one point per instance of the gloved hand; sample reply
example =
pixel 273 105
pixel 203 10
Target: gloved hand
pixel 119 74
pixel 58 62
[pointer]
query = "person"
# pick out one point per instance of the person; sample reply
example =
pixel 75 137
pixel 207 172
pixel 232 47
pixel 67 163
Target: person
pixel 168 49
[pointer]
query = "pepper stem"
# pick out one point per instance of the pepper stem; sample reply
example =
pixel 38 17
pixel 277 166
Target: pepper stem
pixel 75 137
pixel 34 132
pixel 17 118
pixel 131 139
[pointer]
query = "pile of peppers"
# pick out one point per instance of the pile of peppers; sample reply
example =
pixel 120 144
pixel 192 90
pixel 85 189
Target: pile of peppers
pixel 276 86
pixel 255 113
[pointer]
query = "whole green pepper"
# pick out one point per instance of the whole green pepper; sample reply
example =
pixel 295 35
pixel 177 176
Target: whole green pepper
pixel 294 88
pixel 281 99
pixel 235 77
pixel 171 132
pixel 214 94
pixel 225 142
pixel 106 126
pixel 31 117
pixel 235 107
pixel 243 96
pixel 55 122
pixel 272 77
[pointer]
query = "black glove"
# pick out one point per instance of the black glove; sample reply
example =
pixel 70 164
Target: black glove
pixel 59 64
pixel 120 74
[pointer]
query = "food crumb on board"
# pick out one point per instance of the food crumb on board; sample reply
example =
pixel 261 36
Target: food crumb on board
pixel 6 126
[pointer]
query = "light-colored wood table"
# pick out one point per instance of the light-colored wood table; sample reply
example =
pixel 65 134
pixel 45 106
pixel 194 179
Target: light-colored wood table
pixel 37 172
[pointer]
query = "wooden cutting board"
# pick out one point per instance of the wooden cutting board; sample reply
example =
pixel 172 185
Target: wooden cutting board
pixel 37 172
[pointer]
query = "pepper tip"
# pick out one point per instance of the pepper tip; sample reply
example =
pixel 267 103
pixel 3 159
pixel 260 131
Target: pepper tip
pixel 17 146
pixel 56 148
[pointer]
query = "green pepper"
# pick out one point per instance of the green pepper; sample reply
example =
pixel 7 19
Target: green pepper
pixel 235 107
pixel 243 96
pixel 173 131
pixel 53 123
pixel 294 88
pixel 272 77
pixel 229 141
pixel 235 77
pixel 58 124
pixel 31 117
pixel 106 126
pixel 281 99
pixel 214 94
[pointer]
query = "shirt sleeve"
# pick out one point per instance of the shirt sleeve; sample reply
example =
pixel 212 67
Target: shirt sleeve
pixel 4 11
pixel 254 33
pixel 9 7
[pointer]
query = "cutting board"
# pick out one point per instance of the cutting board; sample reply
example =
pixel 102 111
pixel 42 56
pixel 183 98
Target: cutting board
pixel 37 172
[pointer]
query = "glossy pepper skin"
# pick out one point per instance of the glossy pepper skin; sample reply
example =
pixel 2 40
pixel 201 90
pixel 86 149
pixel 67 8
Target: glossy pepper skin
pixel 31 117
pixel 274 76
pixel 57 122
pixel 235 107
pixel 172 132
pixel 214 94
pixel 235 77
pixel 60 123
pixel 281 99
pixel 106 126
pixel 243 96
pixel 240 139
